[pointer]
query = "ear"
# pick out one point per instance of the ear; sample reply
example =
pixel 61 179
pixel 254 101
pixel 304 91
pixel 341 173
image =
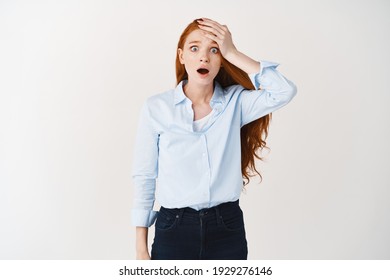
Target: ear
pixel 180 54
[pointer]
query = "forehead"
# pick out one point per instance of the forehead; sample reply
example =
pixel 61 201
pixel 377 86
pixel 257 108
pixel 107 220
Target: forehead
pixel 197 36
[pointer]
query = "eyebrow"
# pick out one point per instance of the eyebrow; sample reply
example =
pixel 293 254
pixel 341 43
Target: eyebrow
pixel 197 42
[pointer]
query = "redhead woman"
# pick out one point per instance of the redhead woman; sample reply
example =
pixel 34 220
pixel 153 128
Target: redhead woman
pixel 196 147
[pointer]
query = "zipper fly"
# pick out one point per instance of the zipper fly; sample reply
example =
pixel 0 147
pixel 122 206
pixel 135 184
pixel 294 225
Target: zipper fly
pixel 201 236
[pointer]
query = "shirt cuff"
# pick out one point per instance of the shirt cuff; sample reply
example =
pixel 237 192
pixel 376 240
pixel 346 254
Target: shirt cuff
pixel 143 218
pixel 255 77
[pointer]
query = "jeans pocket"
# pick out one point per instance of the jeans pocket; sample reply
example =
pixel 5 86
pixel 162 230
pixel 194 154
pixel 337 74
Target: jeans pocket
pixel 234 221
pixel 166 220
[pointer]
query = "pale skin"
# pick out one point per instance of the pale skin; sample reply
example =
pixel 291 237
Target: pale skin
pixel 202 49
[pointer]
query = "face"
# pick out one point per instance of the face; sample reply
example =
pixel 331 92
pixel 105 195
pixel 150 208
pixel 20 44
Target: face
pixel 201 58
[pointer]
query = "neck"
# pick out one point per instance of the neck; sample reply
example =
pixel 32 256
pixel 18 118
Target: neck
pixel 198 94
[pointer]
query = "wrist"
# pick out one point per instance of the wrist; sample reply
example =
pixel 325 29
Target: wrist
pixel 232 56
pixel 243 62
pixel 141 249
pixel 142 256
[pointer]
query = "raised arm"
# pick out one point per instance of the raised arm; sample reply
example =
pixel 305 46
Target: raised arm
pixel 276 90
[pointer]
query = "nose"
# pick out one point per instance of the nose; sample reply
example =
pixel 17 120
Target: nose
pixel 204 57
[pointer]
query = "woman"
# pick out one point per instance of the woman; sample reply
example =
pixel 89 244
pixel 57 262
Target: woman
pixel 197 142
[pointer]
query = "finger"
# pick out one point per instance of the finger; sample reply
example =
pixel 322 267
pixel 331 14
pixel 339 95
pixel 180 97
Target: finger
pixel 211 21
pixel 212 37
pixel 216 27
pixel 224 27
pixel 214 24
pixel 211 30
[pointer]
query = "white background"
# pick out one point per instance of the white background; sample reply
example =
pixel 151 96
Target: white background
pixel 73 75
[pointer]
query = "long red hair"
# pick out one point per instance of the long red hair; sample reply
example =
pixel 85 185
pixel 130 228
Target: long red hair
pixel 253 134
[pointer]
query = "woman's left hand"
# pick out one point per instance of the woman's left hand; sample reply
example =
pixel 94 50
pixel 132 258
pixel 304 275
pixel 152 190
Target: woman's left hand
pixel 220 34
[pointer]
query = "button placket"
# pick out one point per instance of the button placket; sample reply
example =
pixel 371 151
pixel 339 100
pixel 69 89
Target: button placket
pixel 205 159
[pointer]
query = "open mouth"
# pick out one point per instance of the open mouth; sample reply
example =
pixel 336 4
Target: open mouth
pixel 202 71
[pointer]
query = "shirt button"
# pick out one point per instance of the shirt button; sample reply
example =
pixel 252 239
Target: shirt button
pixel 204 154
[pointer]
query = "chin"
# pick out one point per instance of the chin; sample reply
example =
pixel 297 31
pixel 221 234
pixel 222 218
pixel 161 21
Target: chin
pixel 204 81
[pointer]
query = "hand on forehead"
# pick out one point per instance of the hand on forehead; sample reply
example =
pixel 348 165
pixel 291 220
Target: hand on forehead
pixel 218 33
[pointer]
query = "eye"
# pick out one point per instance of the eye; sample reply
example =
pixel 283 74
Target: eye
pixel 214 50
pixel 194 48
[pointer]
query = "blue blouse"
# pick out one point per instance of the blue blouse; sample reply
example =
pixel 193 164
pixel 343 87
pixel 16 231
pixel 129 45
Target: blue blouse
pixel 182 168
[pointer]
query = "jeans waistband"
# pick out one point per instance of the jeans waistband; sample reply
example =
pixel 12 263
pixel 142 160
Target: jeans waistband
pixel 223 207
pixel 220 207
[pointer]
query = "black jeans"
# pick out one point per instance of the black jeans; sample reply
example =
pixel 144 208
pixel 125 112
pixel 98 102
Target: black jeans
pixel 216 233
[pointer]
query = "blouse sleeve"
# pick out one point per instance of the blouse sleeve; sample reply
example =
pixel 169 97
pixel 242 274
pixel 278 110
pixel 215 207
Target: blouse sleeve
pixel 273 91
pixel 144 172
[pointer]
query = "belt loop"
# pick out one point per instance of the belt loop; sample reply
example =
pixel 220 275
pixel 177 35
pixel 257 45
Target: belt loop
pixel 217 213
pixel 180 215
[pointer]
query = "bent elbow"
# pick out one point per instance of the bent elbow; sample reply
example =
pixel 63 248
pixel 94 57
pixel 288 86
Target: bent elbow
pixel 290 92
